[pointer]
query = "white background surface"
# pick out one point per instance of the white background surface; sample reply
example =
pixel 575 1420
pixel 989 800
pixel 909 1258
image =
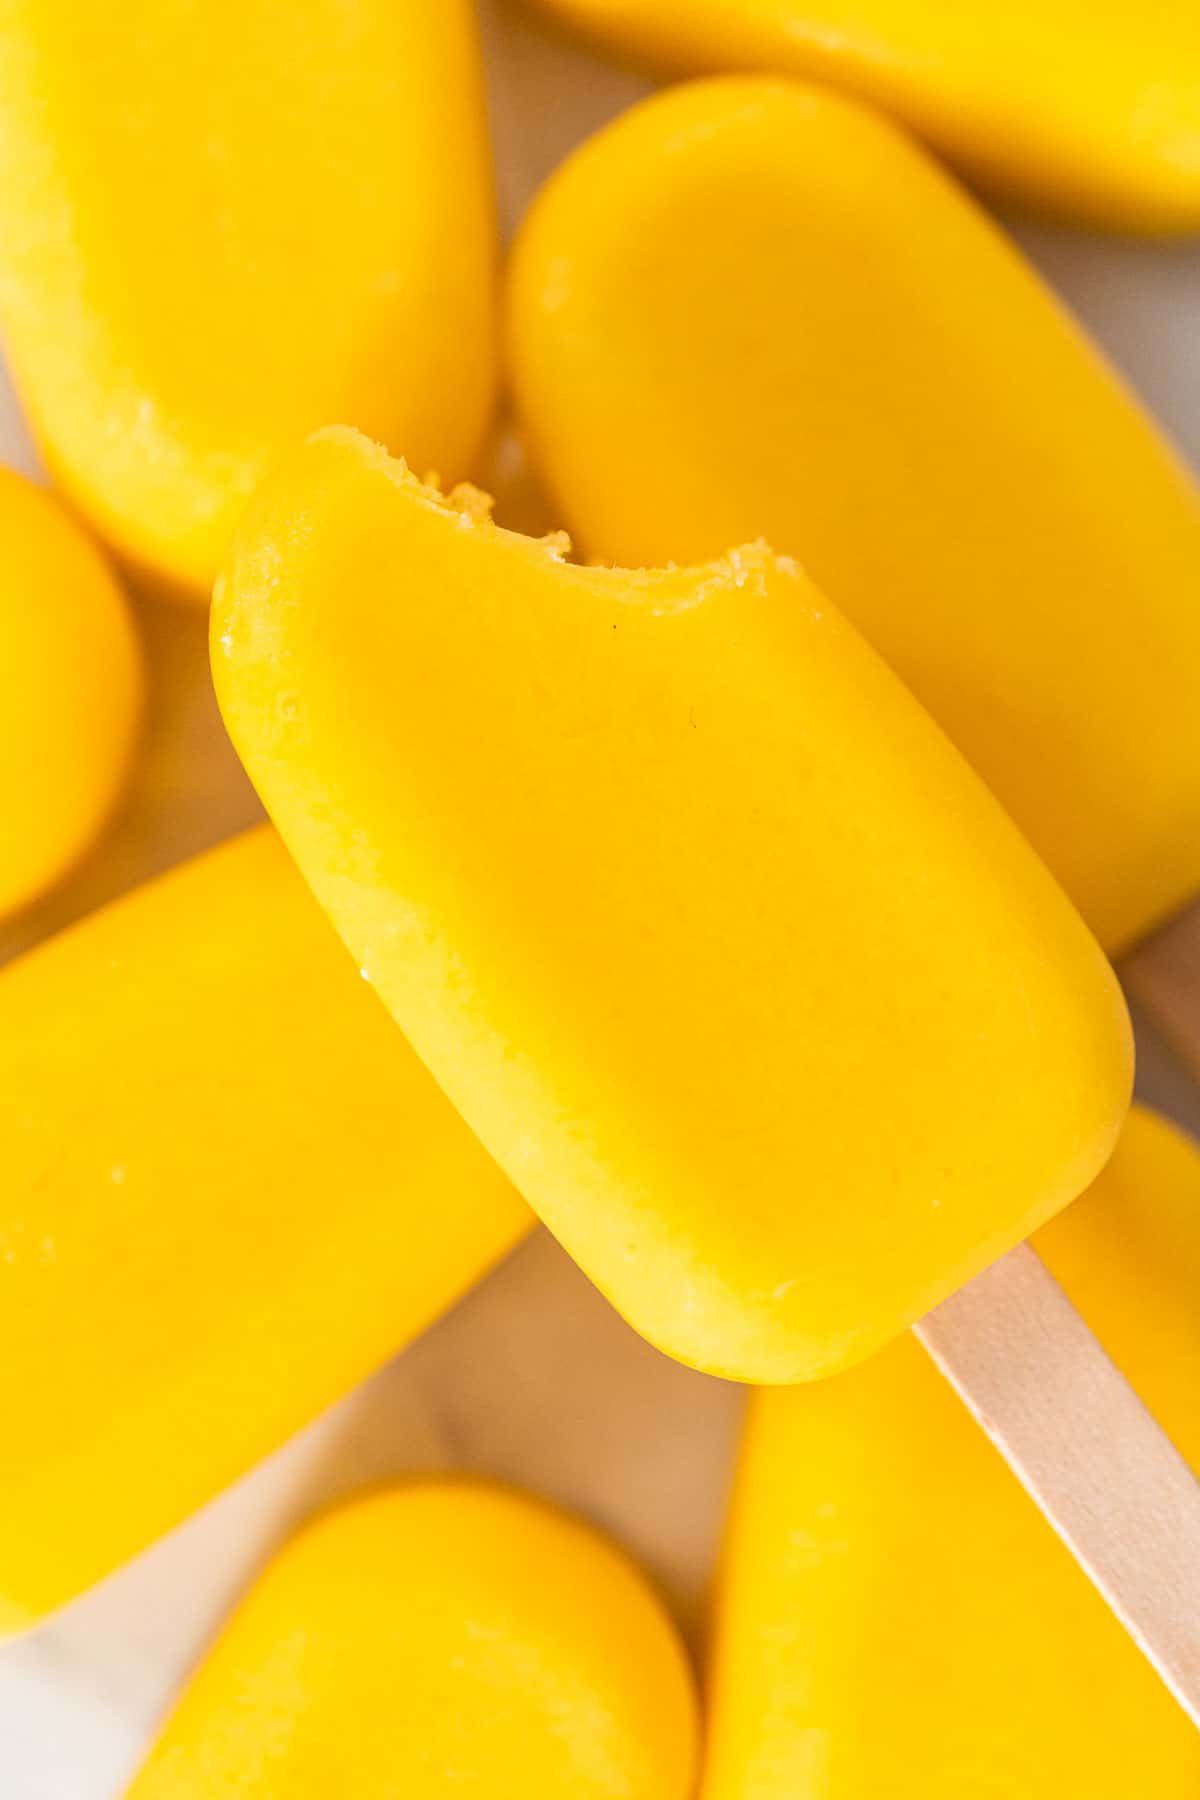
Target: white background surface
pixel 562 1396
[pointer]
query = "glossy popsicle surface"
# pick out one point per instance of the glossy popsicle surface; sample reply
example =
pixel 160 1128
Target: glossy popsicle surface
pixel 751 308
pixel 220 226
pixel 894 1615
pixel 1088 108
pixel 661 872
pixel 434 1639
pixel 228 1192
pixel 70 691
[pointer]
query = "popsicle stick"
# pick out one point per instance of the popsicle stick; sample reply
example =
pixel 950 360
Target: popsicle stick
pixel 1077 1437
pixel 1162 976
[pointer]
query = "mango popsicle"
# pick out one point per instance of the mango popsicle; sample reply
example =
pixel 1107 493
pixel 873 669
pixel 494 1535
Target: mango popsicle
pixel 70 691
pixel 431 1637
pixel 751 307
pixel 221 225
pixel 1086 108
pixel 662 871
pixel 894 1617
pixel 228 1192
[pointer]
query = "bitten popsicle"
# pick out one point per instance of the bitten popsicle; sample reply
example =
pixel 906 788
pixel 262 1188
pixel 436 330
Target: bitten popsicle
pixel 894 1617
pixel 752 308
pixel 71 686
pixel 436 1638
pixel 223 224
pixel 706 929
pixel 228 1192
pixel 1085 108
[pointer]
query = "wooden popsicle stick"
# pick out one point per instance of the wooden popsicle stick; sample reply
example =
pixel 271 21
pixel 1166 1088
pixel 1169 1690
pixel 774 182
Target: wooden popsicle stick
pixel 1162 978
pixel 1082 1444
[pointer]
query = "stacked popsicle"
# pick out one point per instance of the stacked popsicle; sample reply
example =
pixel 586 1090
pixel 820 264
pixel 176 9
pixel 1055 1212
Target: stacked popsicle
pixel 660 872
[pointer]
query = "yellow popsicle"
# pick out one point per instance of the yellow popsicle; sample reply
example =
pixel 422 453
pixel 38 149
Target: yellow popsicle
pixel 704 927
pixel 70 691
pixel 1086 108
pixel 752 308
pixel 223 224
pixel 432 1639
pixel 894 1616
pixel 228 1192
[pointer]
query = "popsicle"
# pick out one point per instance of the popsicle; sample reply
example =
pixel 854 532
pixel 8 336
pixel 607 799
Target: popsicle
pixel 894 1617
pixel 228 1192
pixel 1085 108
pixel 70 691
pixel 667 877
pixel 754 308
pixel 433 1638
pixel 220 225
